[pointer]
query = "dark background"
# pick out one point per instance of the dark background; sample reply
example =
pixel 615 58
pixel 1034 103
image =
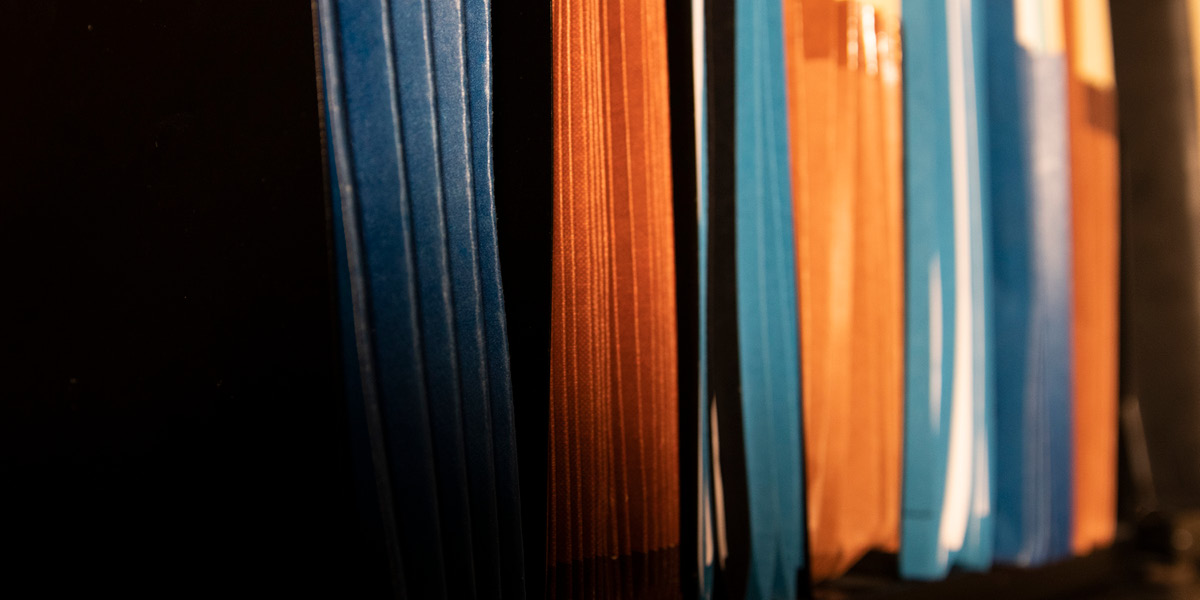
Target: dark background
pixel 522 149
pixel 171 418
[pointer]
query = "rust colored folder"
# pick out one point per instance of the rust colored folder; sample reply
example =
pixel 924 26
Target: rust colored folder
pixel 613 506
pixel 1095 203
pixel 845 119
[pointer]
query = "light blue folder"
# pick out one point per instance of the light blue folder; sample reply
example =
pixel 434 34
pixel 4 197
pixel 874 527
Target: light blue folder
pixel 766 304
pixel 947 513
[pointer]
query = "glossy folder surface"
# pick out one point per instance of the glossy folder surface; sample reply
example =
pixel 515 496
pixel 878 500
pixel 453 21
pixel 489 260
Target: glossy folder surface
pixel 411 168
pixel 949 424
pixel 1031 241
pixel 844 93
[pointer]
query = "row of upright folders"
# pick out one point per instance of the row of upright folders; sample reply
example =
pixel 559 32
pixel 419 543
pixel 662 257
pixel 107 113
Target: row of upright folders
pixel 906 281
pixel 827 277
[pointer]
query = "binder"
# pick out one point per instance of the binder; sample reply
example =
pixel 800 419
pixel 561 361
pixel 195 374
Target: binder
pixel 1030 195
pixel 844 88
pixel 1095 221
pixel 948 507
pixel 614 465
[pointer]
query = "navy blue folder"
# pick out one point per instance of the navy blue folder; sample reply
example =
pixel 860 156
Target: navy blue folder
pixel 409 131
pixel 1031 238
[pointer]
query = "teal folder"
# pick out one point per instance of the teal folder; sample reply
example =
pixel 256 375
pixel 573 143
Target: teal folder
pixel 949 437
pixel 768 331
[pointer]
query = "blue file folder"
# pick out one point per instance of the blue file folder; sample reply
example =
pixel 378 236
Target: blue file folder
pixel 768 331
pixel 409 121
pixel 1032 280
pixel 947 514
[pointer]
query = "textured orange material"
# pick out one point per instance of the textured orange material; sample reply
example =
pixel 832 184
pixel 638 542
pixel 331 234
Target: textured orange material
pixel 613 444
pixel 1095 231
pixel 843 61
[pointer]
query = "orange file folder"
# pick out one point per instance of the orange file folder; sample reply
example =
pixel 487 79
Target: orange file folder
pixel 1095 201
pixel 613 436
pixel 845 118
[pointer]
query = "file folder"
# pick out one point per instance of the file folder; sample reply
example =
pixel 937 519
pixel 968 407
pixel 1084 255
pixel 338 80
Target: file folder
pixel 407 92
pixel 767 328
pixel 1095 221
pixel 1030 196
pixel 614 464
pixel 844 88
pixel 949 425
